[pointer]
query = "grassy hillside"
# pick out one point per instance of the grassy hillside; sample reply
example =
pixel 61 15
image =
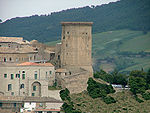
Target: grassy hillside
pixel 121 49
pixel 126 103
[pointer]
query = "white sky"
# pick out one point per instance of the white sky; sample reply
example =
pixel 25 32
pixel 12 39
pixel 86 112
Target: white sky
pixel 20 8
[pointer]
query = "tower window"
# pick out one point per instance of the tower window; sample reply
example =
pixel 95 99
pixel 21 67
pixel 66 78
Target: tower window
pixel 63 37
pixel 68 32
pixel 9 87
pixel 58 57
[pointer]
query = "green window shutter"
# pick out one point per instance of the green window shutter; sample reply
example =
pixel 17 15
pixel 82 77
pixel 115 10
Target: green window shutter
pixel 35 76
pixel 5 75
pixel 18 75
pixel 34 88
pixel 23 76
pixel 1 104
pixel 32 94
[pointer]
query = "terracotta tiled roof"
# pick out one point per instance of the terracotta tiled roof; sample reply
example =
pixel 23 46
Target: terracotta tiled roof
pixel 34 64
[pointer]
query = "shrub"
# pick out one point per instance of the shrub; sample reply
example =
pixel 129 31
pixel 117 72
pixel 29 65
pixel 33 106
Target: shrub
pixel 146 96
pixel 64 94
pixel 109 100
pixel 96 89
pixel 138 99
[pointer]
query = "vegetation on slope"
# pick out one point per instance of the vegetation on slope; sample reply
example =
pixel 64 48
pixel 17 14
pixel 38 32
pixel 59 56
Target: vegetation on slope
pixel 135 100
pixel 124 14
pixel 124 50
pixel 125 103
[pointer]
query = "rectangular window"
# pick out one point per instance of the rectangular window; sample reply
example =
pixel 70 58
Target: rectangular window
pixel 23 76
pixel 32 94
pixel 50 72
pixel 5 75
pixel 12 93
pixel 9 87
pixel 12 76
pixel 18 75
pixel 35 75
pixel 15 104
pixel 34 88
pixel 1 104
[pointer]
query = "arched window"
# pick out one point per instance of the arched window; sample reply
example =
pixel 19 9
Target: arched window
pixel 22 86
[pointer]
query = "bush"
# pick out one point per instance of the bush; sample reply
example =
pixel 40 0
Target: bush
pixel 109 100
pixel 68 108
pixel 96 89
pixel 64 94
pixel 138 99
pixel 146 96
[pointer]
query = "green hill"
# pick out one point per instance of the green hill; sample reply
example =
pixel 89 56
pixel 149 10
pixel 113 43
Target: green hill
pixel 124 14
pixel 124 50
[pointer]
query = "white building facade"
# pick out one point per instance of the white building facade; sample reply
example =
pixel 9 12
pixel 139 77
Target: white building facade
pixel 26 79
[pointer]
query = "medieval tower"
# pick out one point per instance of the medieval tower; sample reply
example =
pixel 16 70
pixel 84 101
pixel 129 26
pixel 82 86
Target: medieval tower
pixel 73 56
pixel 76 45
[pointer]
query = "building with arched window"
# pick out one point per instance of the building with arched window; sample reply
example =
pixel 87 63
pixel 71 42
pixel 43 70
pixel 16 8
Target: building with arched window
pixel 26 79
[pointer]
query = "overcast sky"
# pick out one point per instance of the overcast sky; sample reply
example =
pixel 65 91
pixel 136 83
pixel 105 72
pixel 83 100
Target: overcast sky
pixel 20 8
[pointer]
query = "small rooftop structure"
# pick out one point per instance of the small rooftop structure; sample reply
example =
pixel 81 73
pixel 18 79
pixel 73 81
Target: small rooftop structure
pixel 77 23
pixel 13 39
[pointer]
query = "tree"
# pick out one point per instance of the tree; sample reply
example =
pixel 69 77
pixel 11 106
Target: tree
pixel 138 73
pixel 64 94
pixel 137 85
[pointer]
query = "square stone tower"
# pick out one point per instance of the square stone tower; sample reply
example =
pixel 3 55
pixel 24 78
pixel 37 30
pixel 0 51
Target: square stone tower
pixel 76 48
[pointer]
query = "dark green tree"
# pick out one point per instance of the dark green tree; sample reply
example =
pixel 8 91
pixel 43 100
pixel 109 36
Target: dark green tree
pixel 137 85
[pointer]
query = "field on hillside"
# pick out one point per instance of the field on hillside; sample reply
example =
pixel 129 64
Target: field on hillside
pixel 125 104
pixel 124 50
